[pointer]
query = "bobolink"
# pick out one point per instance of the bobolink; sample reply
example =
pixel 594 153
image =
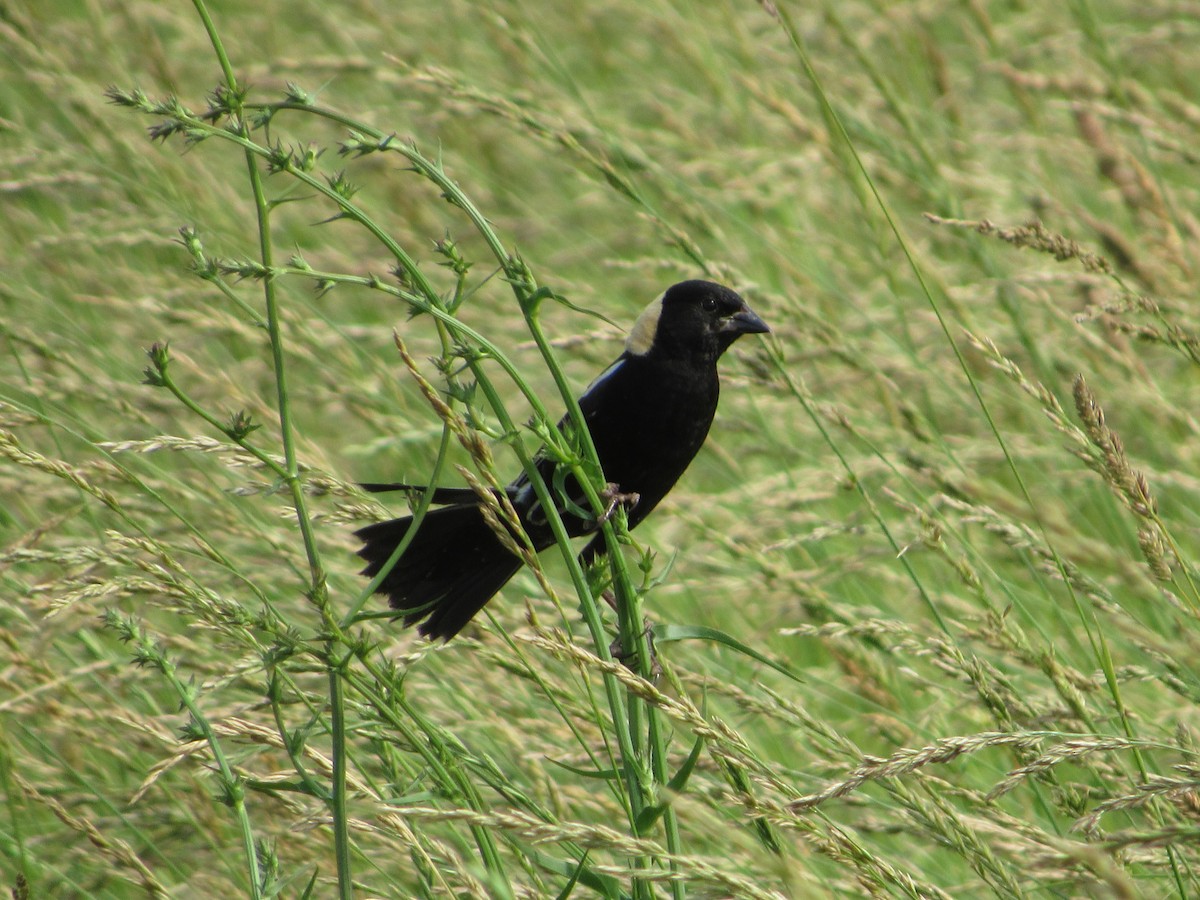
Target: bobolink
pixel 648 414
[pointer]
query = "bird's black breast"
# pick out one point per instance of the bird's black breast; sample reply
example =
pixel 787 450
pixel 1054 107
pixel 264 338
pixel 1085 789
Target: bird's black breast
pixel 648 418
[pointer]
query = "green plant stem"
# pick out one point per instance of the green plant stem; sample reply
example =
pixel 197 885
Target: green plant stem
pixel 317 586
pixel 649 741
pixel 425 740
pixel 337 793
pixel 234 790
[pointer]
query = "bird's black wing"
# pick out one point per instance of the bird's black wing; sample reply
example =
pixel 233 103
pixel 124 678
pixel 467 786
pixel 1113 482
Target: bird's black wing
pixel 597 395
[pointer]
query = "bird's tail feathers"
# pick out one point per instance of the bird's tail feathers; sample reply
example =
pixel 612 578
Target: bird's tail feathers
pixel 442 496
pixel 452 567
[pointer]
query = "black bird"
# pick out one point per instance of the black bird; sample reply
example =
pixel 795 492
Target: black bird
pixel 648 414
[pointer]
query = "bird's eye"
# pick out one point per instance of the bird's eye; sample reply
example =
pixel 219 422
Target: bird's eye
pixel 709 304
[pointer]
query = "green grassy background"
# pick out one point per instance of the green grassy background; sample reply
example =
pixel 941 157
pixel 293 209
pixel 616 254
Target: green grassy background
pixel 964 571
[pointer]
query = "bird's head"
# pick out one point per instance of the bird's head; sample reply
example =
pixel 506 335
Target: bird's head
pixel 693 319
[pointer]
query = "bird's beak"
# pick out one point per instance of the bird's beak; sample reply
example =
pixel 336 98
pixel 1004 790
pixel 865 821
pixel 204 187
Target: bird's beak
pixel 744 321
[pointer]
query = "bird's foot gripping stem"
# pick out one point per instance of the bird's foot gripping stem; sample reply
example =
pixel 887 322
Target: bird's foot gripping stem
pixel 612 496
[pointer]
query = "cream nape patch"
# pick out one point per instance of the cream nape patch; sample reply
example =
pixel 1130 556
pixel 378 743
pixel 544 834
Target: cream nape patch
pixel 641 337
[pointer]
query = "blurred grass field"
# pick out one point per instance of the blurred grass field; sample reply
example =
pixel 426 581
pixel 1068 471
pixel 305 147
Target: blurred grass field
pixel 956 491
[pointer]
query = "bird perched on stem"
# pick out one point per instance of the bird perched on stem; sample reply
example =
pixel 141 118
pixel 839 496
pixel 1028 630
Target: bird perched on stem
pixel 648 414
